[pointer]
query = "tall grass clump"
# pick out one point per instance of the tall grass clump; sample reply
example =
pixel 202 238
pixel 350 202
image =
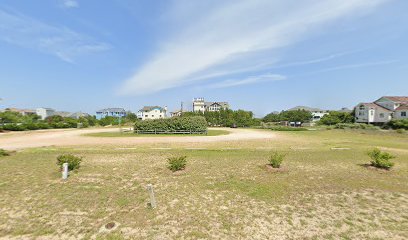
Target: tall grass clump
pixel 177 163
pixel 4 153
pixel 276 159
pixel 380 159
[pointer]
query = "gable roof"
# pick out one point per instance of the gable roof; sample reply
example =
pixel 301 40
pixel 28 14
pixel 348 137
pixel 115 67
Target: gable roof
pixel 305 108
pixel 150 108
pixel 112 110
pixel 374 105
pixel 223 104
pixel 402 107
pixel 397 99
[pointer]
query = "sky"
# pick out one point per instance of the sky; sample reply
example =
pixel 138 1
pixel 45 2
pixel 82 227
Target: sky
pixel 259 55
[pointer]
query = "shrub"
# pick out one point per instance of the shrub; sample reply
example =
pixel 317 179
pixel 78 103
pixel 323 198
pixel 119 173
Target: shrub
pixel 355 126
pixel 380 159
pixel 398 124
pixel 189 124
pixel 4 153
pixel 276 159
pixel 73 161
pixel 177 163
pixel 284 128
pixel 400 131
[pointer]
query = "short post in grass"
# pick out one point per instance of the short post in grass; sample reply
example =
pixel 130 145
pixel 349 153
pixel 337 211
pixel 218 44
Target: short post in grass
pixel 64 171
pixel 151 193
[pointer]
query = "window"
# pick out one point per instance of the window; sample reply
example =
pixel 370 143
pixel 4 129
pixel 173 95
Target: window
pixel 360 113
pixel 372 113
pixel 403 114
pixel 362 107
pixel 146 115
pixel 381 115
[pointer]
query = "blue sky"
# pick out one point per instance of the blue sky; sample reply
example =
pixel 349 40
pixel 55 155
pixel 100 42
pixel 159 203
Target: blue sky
pixel 259 55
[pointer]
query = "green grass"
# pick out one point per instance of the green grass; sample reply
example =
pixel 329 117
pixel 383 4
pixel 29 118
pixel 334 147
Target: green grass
pixel 211 132
pixel 224 192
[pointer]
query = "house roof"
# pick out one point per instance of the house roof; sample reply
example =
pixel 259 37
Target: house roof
pixel 374 105
pixel 62 113
pixel 150 108
pixel 219 103
pixel 112 110
pixel 78 115
pixel 398 99
pixel 305 108
pixel 402 107
pixel 20 110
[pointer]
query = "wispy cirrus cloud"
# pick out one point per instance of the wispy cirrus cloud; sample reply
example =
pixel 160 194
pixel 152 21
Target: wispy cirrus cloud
pixel 66 44
pixel 269 77
pixel 70 3
pixel 223 38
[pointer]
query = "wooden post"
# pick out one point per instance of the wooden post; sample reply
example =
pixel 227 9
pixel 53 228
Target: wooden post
pixel 151 193
pixel 64 171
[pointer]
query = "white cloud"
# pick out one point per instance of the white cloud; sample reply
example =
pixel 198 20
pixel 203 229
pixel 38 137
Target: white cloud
pixel 70 4
pixel 231 34
pixel 353 66
pixel 249 80
pixel 62 42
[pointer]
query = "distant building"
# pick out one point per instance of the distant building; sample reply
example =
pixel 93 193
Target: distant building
pixel 199 105
pixel 176 113
pixel 317 113
pixel 62 113
pixel 383 110
pixel 23 112
pixel 152 112
pixel 45 112
pixel 345 110
pixel 77 115
pixel 110 112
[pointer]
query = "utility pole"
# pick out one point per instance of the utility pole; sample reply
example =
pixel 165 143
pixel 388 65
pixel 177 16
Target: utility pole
pixel 181 108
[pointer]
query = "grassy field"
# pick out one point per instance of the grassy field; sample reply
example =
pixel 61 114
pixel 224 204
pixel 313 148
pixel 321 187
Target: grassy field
pixel 211 132
pixel 323 191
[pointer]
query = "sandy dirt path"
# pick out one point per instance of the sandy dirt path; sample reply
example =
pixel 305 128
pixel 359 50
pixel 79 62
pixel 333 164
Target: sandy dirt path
pixel 73 137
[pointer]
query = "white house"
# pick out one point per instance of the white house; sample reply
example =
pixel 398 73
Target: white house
pixel 44 112
pixel 383 110
pixel 152 112
pixel 199 105
pixel 317 113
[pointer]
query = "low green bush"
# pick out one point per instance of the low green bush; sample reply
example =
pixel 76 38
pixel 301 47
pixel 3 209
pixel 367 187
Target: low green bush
pixel 4 153
pixel 380 159
pixel 356 126
pixel 276 159
pixel 284 128
pixel 400 131
pixel 74 162
pixel 398 124
pixel 177 163
pixel 189 124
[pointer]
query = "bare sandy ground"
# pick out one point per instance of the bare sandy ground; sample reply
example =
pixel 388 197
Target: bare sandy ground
pixel 73 137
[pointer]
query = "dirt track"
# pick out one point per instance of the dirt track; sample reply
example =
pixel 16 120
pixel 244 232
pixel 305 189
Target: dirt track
pixel 72 137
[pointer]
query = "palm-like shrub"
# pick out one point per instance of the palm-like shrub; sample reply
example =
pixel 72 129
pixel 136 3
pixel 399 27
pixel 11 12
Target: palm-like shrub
pixel 380 159
pixel 3 153
pixel 276 159
pixel 177 163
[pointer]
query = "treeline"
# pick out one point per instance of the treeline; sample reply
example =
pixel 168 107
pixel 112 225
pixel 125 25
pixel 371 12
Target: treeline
pixel 13 121
pixel 227 118
pixel 194 124
pixel 290 116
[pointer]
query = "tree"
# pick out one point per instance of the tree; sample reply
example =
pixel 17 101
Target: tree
pixel 272 117
pixel 335 117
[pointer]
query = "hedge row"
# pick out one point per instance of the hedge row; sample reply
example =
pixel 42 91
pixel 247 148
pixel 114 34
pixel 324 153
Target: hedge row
pixel 191 124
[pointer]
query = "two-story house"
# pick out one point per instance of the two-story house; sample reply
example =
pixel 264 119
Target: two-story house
pixel 44 112
pixel 110 112
pixel 382 110
pixel 152 112
pixel 199 105
pixel 317 113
